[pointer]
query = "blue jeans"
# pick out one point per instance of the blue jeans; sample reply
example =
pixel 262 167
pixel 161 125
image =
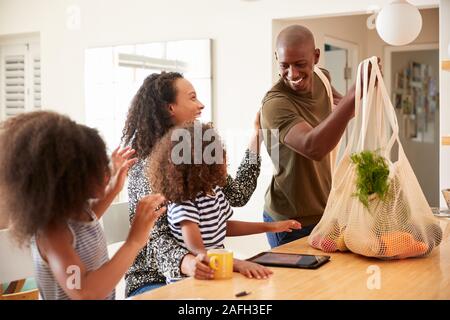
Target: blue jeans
pixel 147 287
pixel 280 238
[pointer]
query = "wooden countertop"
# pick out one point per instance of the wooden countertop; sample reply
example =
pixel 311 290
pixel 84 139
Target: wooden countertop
pixel 346 276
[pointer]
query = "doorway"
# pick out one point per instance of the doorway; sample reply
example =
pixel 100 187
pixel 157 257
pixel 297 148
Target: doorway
pixel 412 77
pixel 341 60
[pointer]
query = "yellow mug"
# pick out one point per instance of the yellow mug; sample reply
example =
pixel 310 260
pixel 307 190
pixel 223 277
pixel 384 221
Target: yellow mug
pixel 221 261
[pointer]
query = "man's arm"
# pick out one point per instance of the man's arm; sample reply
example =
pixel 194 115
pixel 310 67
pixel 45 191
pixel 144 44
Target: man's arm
pixel 316 143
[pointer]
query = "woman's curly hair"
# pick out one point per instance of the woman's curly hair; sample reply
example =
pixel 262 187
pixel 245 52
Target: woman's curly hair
pixel 149 118
pixel 186 180
pixel 49 167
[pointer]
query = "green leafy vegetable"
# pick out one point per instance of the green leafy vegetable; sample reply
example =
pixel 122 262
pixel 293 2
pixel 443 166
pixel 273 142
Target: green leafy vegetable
pixel 372 175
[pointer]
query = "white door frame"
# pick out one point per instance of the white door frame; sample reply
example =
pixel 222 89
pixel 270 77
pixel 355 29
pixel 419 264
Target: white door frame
pixel 351 47
pixel 353 61
pixel 388 50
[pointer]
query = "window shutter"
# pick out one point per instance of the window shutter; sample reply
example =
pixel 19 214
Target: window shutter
pixel 37 82
pixel 20 78
pixel 14 97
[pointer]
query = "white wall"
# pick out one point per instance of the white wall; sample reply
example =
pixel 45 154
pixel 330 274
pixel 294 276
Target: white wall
pixel 242 48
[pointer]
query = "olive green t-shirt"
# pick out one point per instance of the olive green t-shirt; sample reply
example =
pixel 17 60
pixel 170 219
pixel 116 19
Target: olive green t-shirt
pixel 300 187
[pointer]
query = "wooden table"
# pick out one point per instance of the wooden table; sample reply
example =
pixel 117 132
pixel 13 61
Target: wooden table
pixel 346 276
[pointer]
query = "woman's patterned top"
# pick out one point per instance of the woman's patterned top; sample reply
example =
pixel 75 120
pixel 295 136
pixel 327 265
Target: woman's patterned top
pixel 161 258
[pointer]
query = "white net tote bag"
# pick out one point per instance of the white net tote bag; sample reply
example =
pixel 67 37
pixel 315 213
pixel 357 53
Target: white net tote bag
pixel 376 207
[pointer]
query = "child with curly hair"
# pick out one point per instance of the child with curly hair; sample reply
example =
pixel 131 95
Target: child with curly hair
pixel 56 184
pixel 188 166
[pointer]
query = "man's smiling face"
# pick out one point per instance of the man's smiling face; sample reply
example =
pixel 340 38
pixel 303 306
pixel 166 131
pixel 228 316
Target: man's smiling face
pixel 296 65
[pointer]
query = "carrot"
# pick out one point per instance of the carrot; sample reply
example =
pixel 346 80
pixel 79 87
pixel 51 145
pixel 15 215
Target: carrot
pixel 401 245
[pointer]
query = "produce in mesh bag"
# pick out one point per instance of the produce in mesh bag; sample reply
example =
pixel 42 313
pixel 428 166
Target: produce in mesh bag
pixel 372 176
pixel 331 240
pixel 398 236
pixel 376 207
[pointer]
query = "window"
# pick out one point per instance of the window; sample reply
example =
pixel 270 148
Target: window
pixel 114 74
pixel 20 78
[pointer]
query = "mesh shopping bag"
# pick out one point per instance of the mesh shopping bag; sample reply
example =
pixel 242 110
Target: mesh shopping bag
pixel 376 207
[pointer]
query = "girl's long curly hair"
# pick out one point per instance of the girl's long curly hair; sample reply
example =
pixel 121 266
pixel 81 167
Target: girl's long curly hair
pixel 184 181
pixel 149 118
pixel 49 167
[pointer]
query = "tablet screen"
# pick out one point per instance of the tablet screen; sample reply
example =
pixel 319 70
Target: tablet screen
pixel 282 258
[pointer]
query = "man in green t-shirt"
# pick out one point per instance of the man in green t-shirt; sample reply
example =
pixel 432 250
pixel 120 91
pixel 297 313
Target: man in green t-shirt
pixel 299 108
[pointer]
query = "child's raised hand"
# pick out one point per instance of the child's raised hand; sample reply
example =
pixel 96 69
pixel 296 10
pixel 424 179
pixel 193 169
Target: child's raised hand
pixel 285 226
pixel 251 269
pixel 148 210
pixel 121 160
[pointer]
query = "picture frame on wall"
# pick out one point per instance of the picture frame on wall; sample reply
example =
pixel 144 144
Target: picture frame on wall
pixel 415 95
pixel 410 126
pixel 417 71
pixel 399 81
pixel 398 98
pixel 417 75
pixel 407 104
pixel 408 79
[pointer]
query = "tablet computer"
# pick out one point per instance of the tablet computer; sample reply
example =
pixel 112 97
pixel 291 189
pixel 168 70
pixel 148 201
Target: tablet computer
pixel 290 260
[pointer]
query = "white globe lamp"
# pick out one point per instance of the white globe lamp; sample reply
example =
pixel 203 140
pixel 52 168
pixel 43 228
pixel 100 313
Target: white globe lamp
pixel 399 23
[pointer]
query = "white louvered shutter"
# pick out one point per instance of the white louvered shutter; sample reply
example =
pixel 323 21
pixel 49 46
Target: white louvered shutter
pixel 35 77
pixel 36 82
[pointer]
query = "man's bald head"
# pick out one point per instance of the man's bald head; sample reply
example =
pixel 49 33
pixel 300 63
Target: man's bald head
pixel 296 54
pixel 295 35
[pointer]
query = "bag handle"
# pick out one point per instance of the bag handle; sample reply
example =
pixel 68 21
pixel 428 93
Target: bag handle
pixel 326 83
pixel 390 113
pixel 363 99
pixel 364 105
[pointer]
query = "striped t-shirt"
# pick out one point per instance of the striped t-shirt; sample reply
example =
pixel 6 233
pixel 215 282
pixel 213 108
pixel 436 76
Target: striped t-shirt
pixel 89 243
pixel 209 212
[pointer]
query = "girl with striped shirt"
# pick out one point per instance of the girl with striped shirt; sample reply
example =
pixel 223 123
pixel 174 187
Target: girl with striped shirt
pixel 199 213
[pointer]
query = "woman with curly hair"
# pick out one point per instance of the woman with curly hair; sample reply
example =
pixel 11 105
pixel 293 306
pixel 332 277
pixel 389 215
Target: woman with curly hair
pixel 191 174
pixel 56 184
pixel 162 102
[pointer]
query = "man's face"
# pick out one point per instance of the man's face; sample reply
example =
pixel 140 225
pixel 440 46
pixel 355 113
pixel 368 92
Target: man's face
pixel 296 64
